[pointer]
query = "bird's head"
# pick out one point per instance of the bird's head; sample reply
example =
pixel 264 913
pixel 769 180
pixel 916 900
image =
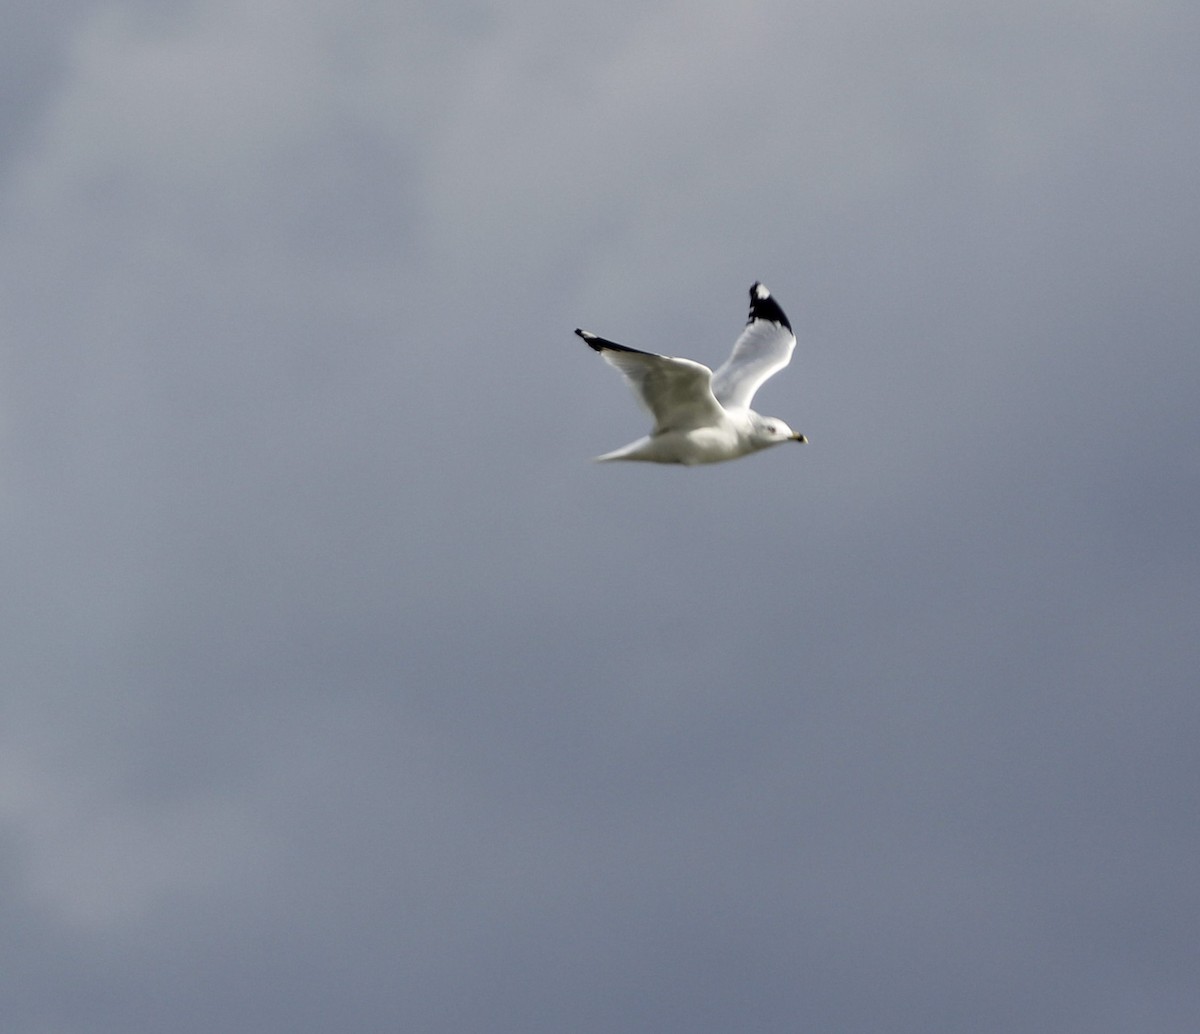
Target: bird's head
pixel 769 430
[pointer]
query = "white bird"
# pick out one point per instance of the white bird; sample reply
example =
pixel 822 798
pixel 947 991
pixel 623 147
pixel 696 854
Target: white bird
pixel 701 416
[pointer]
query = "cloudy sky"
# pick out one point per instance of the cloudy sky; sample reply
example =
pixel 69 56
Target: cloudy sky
pixel 343 692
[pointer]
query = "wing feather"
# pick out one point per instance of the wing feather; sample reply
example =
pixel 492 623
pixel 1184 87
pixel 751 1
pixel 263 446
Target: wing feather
pixel 764 348
pixel 678 392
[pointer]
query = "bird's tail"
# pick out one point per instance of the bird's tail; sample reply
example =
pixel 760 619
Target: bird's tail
pixel 632 451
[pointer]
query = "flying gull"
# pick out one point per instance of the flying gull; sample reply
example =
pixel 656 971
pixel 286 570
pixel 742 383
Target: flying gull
pixel 701 416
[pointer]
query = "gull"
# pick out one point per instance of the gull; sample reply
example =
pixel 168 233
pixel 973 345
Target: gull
pixel 701 416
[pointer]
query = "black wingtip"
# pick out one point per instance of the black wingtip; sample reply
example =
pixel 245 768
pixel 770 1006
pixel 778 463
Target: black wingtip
pixel 591 339
pixel 602 343
pixel 764 307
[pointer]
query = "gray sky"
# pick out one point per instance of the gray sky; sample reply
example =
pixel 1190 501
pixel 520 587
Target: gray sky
pixel 342 691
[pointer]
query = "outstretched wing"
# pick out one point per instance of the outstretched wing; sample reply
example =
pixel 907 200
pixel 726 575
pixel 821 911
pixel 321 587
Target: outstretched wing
pixel 677 391
pixel 764 348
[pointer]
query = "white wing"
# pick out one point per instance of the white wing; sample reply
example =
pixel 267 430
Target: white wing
pixel 677 391
pixel 764 348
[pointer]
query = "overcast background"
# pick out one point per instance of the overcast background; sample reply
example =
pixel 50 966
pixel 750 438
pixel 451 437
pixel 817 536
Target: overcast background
pixel 342 692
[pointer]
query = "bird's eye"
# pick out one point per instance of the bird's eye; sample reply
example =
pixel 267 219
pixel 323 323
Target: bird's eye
pixel 771 428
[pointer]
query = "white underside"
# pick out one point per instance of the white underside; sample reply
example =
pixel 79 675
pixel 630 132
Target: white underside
pixel 727 441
